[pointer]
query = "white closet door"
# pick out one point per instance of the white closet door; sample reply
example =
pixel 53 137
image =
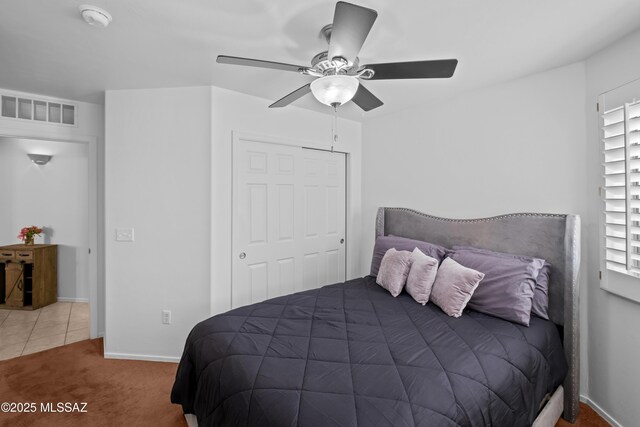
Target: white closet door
pixel 324 218
pixel 289 217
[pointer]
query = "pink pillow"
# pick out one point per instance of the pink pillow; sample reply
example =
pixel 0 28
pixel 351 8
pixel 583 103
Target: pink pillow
pixel 454 286
pixel 421 276
pixel 394 270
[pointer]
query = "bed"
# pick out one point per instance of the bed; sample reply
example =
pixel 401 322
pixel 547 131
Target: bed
pixel 350 354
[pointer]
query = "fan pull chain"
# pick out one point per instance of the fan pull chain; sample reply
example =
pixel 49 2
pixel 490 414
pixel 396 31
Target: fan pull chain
pixel 334 127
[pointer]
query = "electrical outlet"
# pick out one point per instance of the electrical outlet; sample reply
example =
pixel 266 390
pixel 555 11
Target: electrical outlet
pixel 124 234
pixel 166 317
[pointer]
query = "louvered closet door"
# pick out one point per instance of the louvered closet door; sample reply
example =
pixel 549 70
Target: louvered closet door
pixel 288 220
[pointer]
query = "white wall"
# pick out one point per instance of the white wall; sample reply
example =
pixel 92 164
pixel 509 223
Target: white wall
pixel 89 130
pixel 614 336
pixel 54 196
pixel 157 181
pixel 168 175
pixel 514 147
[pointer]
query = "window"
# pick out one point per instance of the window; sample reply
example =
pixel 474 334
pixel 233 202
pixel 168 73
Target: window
pixel 620 124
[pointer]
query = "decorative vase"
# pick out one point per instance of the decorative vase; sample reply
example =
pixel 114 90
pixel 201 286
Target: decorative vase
pixel 28 240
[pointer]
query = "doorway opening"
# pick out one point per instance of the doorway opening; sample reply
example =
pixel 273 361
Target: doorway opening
pixel 60 197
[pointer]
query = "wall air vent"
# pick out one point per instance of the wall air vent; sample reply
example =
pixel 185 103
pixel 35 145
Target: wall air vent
pixel 17 107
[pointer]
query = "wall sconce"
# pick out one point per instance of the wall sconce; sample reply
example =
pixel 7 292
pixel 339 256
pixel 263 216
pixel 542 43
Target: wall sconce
pixel 39 159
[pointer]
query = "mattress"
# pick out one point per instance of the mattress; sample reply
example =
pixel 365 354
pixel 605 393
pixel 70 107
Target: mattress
pixel 350 354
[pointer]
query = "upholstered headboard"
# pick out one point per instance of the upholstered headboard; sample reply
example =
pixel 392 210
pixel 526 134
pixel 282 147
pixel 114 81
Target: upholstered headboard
pixel 553 237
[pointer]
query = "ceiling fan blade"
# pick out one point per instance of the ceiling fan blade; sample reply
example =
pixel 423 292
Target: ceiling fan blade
pixel 351 25
pixel 248 62
pixel 365 99
pixel 298 93
pixel 438 69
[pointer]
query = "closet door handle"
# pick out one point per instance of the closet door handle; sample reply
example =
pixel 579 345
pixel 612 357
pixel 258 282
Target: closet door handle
pixel 242 255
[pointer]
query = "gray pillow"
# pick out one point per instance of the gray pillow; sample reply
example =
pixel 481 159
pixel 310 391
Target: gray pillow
pixel 454 286
pixel 384 243
pixel 394 270
pixel 508 285
pixel 421 276
pixel 540 302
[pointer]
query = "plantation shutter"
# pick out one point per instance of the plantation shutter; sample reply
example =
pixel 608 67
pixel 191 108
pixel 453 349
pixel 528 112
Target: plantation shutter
pixel 621 147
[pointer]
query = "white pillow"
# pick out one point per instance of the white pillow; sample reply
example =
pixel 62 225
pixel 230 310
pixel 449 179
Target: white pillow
pixel 421 276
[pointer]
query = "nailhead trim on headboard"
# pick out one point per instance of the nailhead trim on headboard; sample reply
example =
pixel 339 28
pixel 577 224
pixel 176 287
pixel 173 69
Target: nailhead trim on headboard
pixel 492 218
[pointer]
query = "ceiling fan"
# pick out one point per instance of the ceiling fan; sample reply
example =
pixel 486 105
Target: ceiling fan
pixel 339 74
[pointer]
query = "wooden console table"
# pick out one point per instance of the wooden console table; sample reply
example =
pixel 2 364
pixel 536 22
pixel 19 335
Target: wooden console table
pixel 28 276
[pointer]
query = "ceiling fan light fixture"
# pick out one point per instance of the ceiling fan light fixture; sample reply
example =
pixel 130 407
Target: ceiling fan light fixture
pixel 335 90
pixel 338 71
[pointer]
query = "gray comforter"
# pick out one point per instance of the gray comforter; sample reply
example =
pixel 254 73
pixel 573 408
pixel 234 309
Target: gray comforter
pixel 350 354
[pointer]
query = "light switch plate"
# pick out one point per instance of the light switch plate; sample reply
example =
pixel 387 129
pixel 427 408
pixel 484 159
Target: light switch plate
pixel 124 234
pixel 166 317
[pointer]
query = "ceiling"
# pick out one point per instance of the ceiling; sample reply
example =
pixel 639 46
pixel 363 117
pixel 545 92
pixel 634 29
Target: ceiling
pixel 46 48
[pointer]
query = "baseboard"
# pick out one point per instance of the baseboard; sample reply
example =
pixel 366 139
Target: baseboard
pixel 146 357
pixel 608 418
pixel 63 299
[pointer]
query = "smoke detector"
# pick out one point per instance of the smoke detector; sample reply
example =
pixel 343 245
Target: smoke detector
pixel 95 16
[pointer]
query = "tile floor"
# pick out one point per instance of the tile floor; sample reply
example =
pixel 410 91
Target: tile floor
pixel 25 332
